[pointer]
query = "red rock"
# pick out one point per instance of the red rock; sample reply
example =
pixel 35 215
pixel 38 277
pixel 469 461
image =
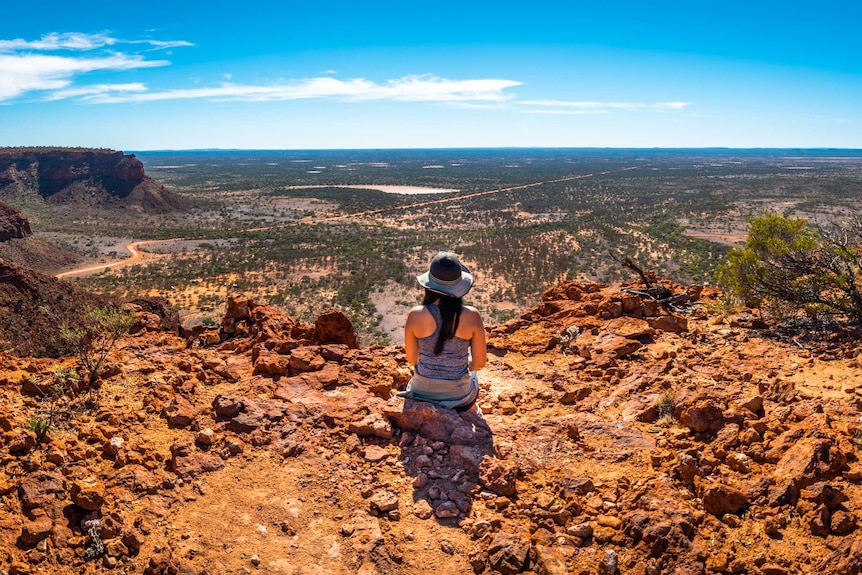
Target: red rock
pixel 508 553
pixel 306 359
pixel 373 424
pixel 498 476
pixel 703 416
pixel 845 560
pixel 719 499
pixel 180 412
pixel 41 489
pixel 195 463
pixel 669 323
pixel 842 522
pixel 375 453
pixel 87 493
pixel 271 363
pixel 810 460
pixel 34 531
pixel 332 326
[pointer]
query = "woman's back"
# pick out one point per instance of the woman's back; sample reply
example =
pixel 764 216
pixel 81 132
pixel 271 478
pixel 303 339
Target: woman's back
pixel 451 363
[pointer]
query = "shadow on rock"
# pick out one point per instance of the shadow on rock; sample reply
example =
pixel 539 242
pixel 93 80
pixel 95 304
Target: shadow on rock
pixel 451 456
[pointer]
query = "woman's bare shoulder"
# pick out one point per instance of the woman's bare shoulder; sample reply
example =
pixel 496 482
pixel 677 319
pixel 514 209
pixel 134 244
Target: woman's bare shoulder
pixel 470 313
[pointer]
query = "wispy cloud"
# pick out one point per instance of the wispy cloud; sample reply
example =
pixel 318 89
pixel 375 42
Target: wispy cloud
pixel 94 90
pixel 80 42
pixel 590 107
pixel 25 73
pixel 424 88
pixel 53 64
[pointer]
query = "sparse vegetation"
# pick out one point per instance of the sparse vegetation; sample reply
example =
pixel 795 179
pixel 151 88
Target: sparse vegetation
pixel 665 407
pixel 96 337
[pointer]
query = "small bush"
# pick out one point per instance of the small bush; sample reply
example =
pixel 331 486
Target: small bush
pixel 99 333
pixel 786 262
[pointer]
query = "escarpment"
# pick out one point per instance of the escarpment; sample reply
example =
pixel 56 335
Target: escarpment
pixel 101 178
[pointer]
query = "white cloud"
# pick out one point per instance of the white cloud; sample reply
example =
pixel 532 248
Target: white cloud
pixel 24 73
pixel 407 89
pixel 589 107
pixel 81 42
pixel 87 92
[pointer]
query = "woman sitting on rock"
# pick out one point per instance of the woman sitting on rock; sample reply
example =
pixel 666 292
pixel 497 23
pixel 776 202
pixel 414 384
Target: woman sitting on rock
pixel 444 339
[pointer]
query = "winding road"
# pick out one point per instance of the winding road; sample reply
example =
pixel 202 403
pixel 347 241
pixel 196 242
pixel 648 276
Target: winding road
pixel 138 253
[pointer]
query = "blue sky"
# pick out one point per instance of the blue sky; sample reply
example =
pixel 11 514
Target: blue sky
pixel 183 75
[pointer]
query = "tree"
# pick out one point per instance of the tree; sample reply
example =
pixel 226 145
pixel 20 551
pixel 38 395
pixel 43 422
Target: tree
pixel 785 260
pixel 97 335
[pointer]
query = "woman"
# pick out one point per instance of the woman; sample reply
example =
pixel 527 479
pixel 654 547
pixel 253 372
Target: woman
pixel 444 339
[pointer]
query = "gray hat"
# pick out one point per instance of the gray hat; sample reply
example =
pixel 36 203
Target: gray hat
pixel 447 276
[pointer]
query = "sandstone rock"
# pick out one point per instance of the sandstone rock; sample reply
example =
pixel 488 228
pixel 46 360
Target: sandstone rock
pixel 508 553
pixel 180 412
pixel 498 476
pixel 719 499
pixel 34 531
pixel 306 359
pixel 375 453
pixel 845 560
pixel 188 462
pixel 810 460
pixel 373 424
pixel 226 407
pixel 41 489
pixel 384 501
pixel 842 522
pixel 703 416
pixel 332 326
pixel 422 509
pixel 87 493
pixel 549 561
pixel 447 509
pixel 669 323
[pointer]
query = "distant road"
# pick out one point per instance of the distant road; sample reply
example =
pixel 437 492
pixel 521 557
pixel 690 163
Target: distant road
pixel 137 256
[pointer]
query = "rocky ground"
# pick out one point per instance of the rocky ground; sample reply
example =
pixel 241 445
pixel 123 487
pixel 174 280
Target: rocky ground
pixel 615 437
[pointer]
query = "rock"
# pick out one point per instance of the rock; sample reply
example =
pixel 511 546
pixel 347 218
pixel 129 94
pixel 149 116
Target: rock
pixel 34 531
pixel 422 509
pixel 226 407
pixel 332 326
pixel 842 522
pixel 498 476
pixel 373 424
pixel 384 501
pixel 703 416
pixel 375 453
pixel 180 412
pixel 845 560
pixel 608 564
pixel 719 499
pixel 306 359
pixel 508 553
pixel 447 509
pixel 549 561
pixel 668 323
pixel 205 437
pixel 41 489
pixel 810 460
pixel 87 493
pixel 195 463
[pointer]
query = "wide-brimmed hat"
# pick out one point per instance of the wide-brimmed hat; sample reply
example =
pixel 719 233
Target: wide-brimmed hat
pixel 447 276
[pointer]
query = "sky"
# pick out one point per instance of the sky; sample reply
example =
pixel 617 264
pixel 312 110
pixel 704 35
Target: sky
pixel 159 75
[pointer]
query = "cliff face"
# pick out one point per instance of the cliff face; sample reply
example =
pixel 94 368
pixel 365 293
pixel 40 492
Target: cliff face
pixel 13 224
pixel 69 175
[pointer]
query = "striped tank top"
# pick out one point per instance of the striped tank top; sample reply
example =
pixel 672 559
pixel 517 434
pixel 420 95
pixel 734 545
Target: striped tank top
pixel 452 362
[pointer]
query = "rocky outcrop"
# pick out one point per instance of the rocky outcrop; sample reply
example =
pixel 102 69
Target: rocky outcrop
pixel 32 308
pixel 13 224
pixel 85 176
pixel 607 443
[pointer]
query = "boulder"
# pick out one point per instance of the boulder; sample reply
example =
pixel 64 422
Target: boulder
pixel 810 460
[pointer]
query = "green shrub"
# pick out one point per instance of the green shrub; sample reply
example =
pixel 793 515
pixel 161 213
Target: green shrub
pixel 786 261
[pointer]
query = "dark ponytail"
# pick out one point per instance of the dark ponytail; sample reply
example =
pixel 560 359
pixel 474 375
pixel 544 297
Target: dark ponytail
pixel 450 311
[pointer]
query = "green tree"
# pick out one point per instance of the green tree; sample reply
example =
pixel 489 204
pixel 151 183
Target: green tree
pixel 786 260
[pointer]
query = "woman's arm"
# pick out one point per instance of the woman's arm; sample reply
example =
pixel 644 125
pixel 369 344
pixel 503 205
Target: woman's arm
pixel 478 344
pixel 411 343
